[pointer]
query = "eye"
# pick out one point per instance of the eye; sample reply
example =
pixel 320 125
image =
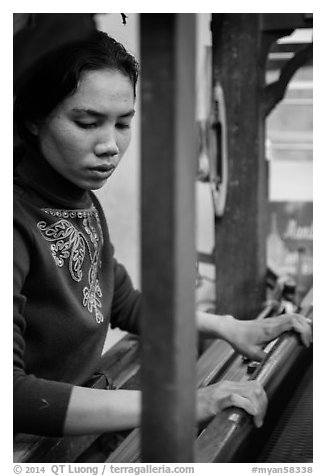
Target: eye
pixel 86 125
pixel 121 125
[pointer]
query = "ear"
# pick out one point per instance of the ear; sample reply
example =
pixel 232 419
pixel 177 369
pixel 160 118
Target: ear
pixel 33 128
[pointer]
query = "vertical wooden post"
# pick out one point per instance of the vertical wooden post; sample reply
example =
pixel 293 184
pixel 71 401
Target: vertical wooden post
pixel 168 236
pixel 239 65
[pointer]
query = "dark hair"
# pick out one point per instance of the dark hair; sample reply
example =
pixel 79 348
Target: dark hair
pixel 56 76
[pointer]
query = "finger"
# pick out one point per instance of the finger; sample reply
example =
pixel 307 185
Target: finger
pixel 275 326
pixel 260 401
pixel 263 397
pixel 249 396
pixel 309 321
pixel 251 406
pixel 303 326
pixel 258 354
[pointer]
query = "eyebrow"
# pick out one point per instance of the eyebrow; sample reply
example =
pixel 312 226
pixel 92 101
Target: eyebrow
pixel 94 113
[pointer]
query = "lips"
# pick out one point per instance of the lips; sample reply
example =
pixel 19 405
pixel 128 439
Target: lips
pixel 101 172
pixel 103 168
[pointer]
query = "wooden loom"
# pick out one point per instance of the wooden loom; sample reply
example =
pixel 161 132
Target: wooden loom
pixel 168 174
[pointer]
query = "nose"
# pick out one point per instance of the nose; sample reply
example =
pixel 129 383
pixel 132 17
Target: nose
pixel 106 146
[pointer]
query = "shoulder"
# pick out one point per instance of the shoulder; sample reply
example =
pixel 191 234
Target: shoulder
pixel 26 215
pixel 20 205
pixel 23 209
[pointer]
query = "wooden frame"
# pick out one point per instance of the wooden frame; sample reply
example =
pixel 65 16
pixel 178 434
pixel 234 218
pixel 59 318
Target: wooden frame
pixel 168 236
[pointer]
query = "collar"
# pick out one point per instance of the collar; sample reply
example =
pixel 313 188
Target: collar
pixel 34 172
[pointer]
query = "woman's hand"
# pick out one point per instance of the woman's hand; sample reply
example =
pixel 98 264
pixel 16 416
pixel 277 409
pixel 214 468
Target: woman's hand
pixel 250 396
pixel 247 337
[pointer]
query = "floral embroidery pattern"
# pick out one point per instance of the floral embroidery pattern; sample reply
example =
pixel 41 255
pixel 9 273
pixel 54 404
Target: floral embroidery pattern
pixel 68 243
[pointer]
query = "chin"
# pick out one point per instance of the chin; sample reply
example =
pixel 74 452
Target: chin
pixel 96 185
pixel 91 183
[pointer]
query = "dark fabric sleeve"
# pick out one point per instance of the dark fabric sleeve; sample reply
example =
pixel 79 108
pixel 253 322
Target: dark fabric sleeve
pixel 126 302
pixel 39 405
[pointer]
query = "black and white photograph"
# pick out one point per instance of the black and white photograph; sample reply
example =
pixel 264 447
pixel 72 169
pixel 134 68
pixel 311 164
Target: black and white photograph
pixel 162 241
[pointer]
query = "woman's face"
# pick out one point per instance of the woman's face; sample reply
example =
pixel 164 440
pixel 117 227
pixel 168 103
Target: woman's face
pixel 86 135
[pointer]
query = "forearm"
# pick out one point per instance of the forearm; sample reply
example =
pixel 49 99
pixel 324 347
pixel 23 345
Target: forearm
pixel 215 326
pixel 92 411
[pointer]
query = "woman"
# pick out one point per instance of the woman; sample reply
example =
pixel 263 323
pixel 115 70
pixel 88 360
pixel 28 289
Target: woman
pixel 73 116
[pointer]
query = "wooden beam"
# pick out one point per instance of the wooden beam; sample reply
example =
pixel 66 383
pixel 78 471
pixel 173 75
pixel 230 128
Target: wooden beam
pixel 285 21
pixel 274 92
pixel 287 47
pixel 240 245
pixel 168 236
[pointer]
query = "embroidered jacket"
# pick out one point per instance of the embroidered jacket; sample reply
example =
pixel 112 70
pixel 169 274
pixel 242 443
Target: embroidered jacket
pixel 68 287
